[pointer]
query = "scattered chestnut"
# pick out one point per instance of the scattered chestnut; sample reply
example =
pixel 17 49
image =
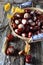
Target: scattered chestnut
pixel 10 37
pixel 10 50
pixel 28 58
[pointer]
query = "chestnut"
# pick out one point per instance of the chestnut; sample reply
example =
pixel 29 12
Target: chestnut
pixel 20 30
pixel 34 18
pixel 21 26
pixel 32 24
pixel 39 23
pixel 36 22
pixel 40 16
pixel 28 58
pixel 17 16
pixel 24 21
pixel 31 28
pixel 10 50
pixel 42 26
pixel 32 12
pixel 41 30
pixel 38 12
pixel 14 17
pixel 30 21
pixel 17 22
pixel 14 26
pixel 10 37
pixel 26 15
pixel 29 34
pixel 23 34
pixel 17 32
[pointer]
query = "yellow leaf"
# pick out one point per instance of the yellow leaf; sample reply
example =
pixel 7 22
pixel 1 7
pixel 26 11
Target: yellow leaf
pixel 19 10
pixel 13 9
pixel 7 7
pixel 9 16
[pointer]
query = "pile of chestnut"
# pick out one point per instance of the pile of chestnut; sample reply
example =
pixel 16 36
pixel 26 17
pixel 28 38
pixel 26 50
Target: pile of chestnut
pixel 28 23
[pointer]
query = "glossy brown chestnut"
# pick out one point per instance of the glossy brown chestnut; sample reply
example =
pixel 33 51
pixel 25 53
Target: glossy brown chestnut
pixel 32 12
pixel 10 50
pixel 17 21
pixel 20 27
pixel 10 37
pixel 32 24
pixel 28 59
pixel 35 18
pixel 30 21
pixel 26 15
pixel 14 26
pixel 31 28
pixel 17 31
pixel 24 35
pixel 29 34
pixel 24 21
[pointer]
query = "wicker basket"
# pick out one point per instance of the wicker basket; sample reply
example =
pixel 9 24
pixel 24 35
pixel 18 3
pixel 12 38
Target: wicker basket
pixel 24 38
